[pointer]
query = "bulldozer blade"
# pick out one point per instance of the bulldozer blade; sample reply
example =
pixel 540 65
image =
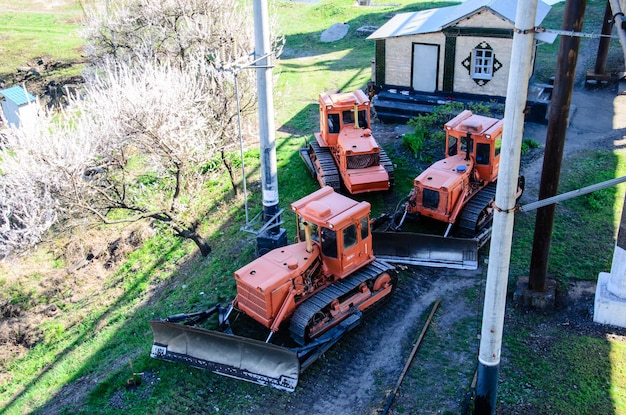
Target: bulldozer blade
pixel 304 155
pixel 426 250
pixel 225 354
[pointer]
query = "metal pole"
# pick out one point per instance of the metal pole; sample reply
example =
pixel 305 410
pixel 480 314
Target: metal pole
pixel 272 235
pixel 571 194
pixel 269 178
pixel 500 250
pixel 555 142
pixel 243 165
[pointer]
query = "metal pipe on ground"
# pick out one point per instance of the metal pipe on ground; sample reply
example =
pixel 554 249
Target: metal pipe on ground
pixel 393 393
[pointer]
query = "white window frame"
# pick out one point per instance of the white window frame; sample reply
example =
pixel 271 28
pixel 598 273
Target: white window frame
pixel 482 63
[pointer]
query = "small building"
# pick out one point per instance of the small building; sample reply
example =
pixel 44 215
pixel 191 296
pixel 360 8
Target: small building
pixel 460 52
pixel 18 106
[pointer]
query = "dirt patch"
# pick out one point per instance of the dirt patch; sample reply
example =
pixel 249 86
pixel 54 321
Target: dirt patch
pixel 33 296
pixel 42 80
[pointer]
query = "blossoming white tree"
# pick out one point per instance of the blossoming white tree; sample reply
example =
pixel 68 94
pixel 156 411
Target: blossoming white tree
pixel 158 107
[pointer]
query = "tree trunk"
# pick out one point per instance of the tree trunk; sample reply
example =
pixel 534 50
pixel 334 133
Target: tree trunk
pixel 200 242
pixel 229 168
pixel 188 232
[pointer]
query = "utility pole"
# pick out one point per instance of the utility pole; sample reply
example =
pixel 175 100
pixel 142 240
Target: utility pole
pixel 605 41
pixel 272 235
pixel 555 141
pixel 501 239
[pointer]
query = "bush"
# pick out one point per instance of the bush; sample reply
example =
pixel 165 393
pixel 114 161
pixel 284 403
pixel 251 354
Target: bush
pixel 431 125
pixel 528 144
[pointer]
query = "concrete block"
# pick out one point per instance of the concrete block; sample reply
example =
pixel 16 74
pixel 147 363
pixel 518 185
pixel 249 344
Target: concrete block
pixel 608 308
pixel 523 296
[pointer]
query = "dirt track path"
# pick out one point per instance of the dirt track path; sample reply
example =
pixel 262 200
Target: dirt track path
pixel 356 376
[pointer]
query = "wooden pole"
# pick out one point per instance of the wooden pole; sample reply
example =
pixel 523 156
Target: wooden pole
pixel 555 141
pixel 605 41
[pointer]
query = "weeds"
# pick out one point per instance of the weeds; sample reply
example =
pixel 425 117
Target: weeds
pixel 427 128
pixel 529 144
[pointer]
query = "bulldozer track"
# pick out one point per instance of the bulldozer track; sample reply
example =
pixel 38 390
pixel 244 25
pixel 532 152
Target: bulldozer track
pixel 470 217
pixel 309 308
pixel 329 174
pixel 385 161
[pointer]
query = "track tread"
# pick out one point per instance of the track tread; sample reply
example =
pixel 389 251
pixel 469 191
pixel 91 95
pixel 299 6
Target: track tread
pixel 329 174
pixel 471 212
pixel 305 312
pixel 386 162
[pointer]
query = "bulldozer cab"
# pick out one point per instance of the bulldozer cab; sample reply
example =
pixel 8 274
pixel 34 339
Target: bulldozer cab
pixel 340 226
pixel 337 111
pixel 479 138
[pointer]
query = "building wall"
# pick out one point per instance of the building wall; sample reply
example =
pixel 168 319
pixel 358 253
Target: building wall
pixel 463 81
pixel 487 19
pixel 11 113
pixel 399 57
pixel 484 26
pixel 17 116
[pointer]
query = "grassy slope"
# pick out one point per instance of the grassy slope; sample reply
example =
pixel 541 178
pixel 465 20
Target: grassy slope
pixel 91 342
pixel 31 30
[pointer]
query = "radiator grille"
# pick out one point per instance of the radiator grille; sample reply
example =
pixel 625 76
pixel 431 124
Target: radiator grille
pixel 362 161
pixel 252 299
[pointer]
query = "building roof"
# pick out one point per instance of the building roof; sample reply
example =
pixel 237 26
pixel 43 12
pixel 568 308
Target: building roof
pixel 18 95
pixel 435 20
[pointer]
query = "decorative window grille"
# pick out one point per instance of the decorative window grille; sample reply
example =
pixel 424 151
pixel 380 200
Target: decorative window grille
pixel 482 64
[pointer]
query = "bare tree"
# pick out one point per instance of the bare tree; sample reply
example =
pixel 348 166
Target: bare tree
pixel 157 109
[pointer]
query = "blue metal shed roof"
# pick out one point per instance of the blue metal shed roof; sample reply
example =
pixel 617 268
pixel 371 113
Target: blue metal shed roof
pixel 17 95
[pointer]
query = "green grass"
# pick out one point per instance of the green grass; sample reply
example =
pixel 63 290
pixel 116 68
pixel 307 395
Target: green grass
pixel 35 35
pixel 565 373
pixel 592 23
pixel 576 219
pixel 91 343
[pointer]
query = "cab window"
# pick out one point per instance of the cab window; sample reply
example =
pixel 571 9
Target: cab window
pixel 465 142
pixel 314 230
pixel 333 123
pixel 329 243
pixel 348 117
pixel 349 236
pixel 363 119
pixel 482 153
pixel 452 145
pixel 365 229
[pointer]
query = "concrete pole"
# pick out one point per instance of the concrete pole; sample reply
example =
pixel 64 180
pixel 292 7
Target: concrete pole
pixel 273 236
pixel 269 178
pixel 500 249
pixel 618 16
pixel 610 302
